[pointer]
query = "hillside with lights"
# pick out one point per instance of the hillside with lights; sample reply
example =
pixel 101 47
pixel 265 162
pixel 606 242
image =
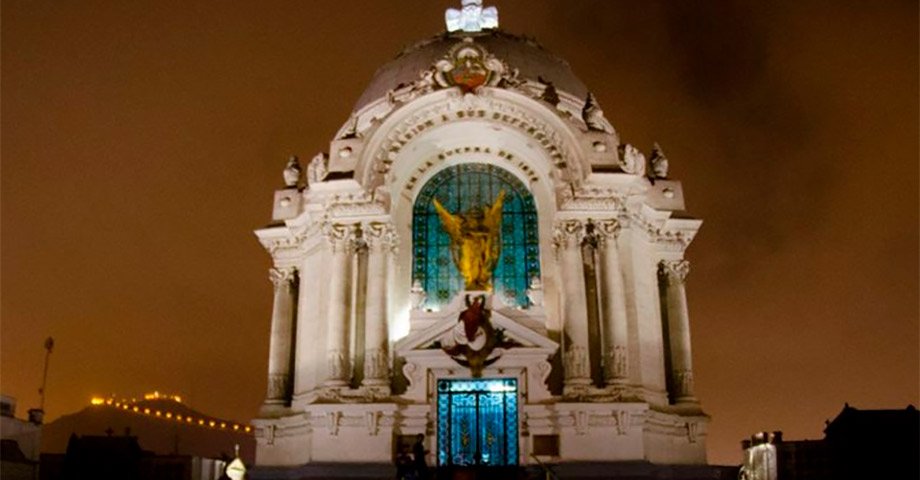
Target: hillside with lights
pixel 163 425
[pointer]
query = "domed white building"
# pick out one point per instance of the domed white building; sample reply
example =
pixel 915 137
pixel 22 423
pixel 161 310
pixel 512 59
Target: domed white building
pixel 581 348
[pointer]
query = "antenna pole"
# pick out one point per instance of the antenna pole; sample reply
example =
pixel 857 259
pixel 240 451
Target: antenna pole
pixel 49 345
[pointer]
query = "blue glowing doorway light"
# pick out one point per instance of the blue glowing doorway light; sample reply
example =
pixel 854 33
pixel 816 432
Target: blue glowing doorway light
pixel 478 422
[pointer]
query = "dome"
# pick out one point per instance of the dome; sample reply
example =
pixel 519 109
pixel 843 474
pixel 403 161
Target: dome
pixel 526 55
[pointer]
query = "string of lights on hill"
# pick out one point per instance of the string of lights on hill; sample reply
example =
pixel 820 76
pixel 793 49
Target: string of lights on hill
pixel 143 408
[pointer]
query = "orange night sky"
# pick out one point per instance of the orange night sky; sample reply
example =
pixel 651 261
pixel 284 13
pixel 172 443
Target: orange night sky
pixel 142 141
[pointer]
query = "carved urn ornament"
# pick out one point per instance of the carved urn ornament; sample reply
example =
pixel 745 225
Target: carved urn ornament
pixel 316 171
pixel 593 116
pixel 292 172
pixel 658 163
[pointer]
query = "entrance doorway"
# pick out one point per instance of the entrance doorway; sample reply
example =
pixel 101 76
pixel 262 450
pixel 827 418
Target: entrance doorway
pixel 478 422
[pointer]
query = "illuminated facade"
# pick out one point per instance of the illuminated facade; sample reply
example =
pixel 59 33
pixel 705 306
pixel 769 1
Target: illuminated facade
pixel 583 352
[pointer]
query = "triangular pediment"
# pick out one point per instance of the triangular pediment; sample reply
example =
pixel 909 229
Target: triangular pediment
pixel 525 328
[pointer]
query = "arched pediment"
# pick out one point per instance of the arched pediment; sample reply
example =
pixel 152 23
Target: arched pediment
pixel 533 123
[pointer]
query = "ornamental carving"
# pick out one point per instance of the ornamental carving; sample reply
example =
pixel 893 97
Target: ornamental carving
pixel 568 234
pixel 592 198
pixel 593 116
pixel 417 295
pixel 581 421
pixel 292 172
pixel 674 271
pixel 412 372
pixel 467 66
pixel 692 431
pixel 483 106
pixel 380 236
pixel 667 239
pixel 631 160
pixel 340 236
pixel 576 362
pixel 608 228
pixel 535 292
pixel 623 419
pixel 354 204
pixel 372 422
pixel 658 163
pixel 615 362
pixel 318 168
pixel 376 364
pixel 338 365
pixel 332 422
pixel 282 276
pixel 475 342
pixel 279 386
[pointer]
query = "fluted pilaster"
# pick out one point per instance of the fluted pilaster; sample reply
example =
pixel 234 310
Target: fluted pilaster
pixel 674 274
pixel 613 304
pixel 380 242
pixel 567 239
pixel 341 240
pixel 281 344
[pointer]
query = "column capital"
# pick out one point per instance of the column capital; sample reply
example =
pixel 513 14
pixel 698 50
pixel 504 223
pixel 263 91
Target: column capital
pixel 380 236
pixel 340 236
pixel 568 233
pixel 675 271
pixel 282 276
pixel 606 231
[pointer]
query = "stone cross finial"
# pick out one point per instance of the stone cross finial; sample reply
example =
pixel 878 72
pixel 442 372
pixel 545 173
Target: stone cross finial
pixel 472 17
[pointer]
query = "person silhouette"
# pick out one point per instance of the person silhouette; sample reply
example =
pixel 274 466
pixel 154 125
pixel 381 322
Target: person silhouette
pixel 418 454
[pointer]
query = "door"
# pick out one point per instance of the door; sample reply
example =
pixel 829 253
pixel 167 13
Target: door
pixel 477 422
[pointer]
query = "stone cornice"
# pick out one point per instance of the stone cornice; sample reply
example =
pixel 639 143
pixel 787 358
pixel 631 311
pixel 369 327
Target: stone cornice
pixel 669 234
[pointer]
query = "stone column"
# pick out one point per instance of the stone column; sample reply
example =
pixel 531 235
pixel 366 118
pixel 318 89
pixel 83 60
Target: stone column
pixel 613 304
pixel 379 238
pixel 341 239
pixel 282 336
pixel 674 273
pixel 567 239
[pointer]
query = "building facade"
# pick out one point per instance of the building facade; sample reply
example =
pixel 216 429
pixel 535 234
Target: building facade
pixel 857 444
pixel 576 348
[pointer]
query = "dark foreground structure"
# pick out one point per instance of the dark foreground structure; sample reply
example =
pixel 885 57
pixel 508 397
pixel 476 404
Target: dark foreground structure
pixel 858 444
pixel 581 470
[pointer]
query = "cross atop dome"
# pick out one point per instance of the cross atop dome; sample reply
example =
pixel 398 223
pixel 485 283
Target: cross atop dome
pixel 472 17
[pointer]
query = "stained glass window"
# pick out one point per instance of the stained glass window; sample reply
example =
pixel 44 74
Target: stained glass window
pixel 459 189
pixel 478 422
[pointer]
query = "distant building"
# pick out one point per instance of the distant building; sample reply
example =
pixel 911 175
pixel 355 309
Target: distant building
pixel 121 458
pixel 858 444
pixel 157 436
pixel 19 448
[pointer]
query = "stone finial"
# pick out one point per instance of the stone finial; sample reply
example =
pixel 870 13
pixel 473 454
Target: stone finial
pixel 417 295
pixel 593 116
pixel 292 172
pixel 318 168
pixel 549 95
pixel 631 160
pixel 535 292
pixel 471 17
pixel 658 163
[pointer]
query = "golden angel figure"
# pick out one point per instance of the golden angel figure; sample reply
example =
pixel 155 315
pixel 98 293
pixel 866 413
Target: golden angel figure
pixel 475 241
